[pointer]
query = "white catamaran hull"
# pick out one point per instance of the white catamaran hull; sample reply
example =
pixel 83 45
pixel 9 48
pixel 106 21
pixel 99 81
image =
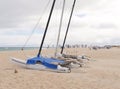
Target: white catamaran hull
pixel 23 64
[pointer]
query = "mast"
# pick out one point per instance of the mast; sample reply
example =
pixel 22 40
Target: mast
pixel 68 26
pixel 40 49
pixel 61 20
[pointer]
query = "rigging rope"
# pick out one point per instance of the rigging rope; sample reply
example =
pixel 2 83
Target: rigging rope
pixel 35 26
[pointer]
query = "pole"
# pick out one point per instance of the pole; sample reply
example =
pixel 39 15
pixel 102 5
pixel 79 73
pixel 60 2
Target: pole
pixel 40 49
pixel 61 20
pixel 68 26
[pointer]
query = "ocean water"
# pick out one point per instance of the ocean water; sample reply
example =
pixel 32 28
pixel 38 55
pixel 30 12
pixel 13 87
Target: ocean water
pixel 16 48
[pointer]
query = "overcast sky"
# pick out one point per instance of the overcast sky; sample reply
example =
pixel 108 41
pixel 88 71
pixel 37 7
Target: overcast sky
pixel 93 22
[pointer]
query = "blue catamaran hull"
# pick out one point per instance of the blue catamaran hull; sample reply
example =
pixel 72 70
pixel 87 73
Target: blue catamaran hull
pixel 41 63
pixel 48 62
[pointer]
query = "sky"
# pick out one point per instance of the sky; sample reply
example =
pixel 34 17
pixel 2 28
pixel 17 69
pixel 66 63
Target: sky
pixel 94 22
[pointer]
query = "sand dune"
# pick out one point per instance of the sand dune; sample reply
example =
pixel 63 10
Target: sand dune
pixel 102 72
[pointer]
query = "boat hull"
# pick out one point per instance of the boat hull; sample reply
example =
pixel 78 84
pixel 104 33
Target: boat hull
pixel 23 64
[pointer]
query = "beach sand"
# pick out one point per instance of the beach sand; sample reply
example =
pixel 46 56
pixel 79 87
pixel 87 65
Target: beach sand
pixel 101 72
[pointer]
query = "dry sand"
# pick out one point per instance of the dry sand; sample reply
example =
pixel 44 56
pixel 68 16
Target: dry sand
pixel 102 72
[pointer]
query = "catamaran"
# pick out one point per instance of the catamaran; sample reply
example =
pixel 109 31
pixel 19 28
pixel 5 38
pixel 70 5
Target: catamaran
pixel 44 63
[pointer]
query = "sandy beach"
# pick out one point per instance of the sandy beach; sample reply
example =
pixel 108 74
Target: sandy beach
pixel 101 72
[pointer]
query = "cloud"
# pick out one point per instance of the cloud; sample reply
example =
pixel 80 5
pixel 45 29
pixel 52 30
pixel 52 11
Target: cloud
pixel 105 26
pixel 93 21
pixel 14 13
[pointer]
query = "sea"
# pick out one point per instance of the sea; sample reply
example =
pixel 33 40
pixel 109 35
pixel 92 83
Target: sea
pixel 17 48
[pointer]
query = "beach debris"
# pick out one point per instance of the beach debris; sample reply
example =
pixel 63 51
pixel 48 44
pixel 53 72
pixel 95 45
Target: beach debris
pixel 73 59
pixel 15 71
